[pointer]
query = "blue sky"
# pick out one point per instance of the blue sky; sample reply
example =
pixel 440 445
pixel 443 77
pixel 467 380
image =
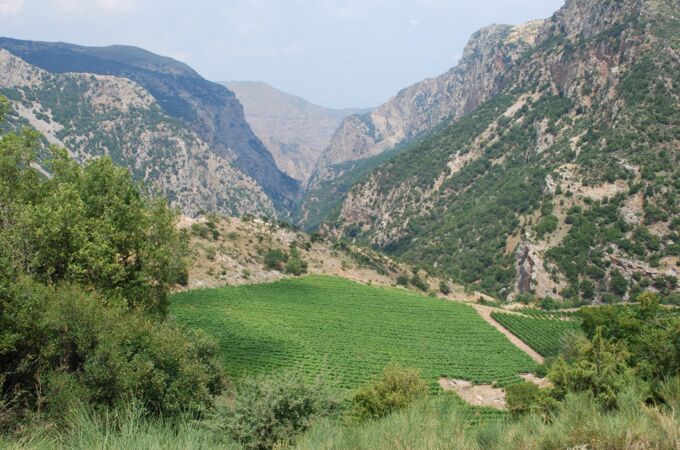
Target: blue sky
pixel 338 53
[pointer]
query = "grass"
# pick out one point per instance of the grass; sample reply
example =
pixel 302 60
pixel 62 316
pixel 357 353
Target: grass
pixel 348 332
pixel 542 333
pixel 123 428
pixel 579 423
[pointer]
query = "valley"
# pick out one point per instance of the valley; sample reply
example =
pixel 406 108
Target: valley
pixel 489 260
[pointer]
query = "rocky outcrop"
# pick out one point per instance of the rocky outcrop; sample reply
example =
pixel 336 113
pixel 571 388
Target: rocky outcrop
pixel 481 73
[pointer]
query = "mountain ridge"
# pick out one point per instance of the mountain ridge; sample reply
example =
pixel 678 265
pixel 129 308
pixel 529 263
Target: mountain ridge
pixel 97 115
pixel 209 109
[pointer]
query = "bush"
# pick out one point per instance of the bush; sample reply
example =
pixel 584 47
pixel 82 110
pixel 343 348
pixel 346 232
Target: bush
pixel 525 397
pixel 275 259
pixel 396 389
pixel 444 288
pixel 268 412
pixel 296 266
pixel 402 280
pixel 419 283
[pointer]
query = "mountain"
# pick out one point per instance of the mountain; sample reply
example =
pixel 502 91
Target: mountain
pixel 425 105
pixel 554 172
pixel 208 109
pixel 96 115
pixel 364 141
pixel 294 130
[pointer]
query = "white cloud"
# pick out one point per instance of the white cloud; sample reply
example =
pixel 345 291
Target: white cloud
pixel 8 7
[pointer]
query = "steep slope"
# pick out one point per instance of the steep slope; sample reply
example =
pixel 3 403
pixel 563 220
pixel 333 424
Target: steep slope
pixel 294 130
pixel 209 109
pixel 565 182
pixel 365 141
pixel 479 75
pixel 95 115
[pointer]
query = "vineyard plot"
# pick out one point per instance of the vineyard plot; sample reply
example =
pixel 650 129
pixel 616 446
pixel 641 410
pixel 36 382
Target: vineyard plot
pixel 348 332
pixel 543 334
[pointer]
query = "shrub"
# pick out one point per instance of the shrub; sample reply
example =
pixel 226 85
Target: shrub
pixel 444 288
pixel 275 259
pixel 402 280
pixel 296 266
pixel 394 390
pixel 269 412
pixel 419 283
pixel 618 284
pixel 525 397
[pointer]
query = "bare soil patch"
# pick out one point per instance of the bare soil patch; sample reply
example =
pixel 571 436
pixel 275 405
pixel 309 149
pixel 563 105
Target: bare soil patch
pixel 542 383
pixel 477 395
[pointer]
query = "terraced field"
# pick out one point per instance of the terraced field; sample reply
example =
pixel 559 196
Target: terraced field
pixel 542 333
pixel 348 331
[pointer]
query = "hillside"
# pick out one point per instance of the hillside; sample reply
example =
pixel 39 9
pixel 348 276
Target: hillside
pixel 233 251
pixel 208 109
pixel 95 115
pixel 421 107
pixel 564 182
pixel 294 130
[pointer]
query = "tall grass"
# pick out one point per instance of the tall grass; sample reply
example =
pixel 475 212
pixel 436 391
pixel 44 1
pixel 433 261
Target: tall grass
pixel 437 424
pixel 125 428
pixel 579 423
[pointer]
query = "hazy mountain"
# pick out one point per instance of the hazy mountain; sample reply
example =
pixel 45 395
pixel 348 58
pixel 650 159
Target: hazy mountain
pixel 293 129
pixel 558 175
pixel 208 109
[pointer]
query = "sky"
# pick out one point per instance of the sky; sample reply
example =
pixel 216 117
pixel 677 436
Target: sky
pixel 336 53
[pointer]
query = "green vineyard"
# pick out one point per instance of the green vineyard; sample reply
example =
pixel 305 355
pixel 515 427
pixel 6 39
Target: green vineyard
pixel 542 333
pixel 348 332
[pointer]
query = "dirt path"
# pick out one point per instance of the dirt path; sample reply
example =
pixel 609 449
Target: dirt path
pixel 485 312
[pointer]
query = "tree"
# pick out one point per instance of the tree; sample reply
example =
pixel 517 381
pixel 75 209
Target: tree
pixel 618 284
pixel 600 368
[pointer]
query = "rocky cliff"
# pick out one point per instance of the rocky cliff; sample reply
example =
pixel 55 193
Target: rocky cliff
pixel 480 74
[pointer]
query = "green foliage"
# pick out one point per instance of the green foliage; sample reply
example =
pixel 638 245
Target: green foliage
pixel 61 348
pixel 86 263
pixel 419 283
pixel 295 264
pixel 525 397
pixel 313 324
pixel 618 283
pixel 275 259
pixel 547 225
pixel 600 368
pixel 396 389
pixel 444 288
pixel 649 332
pixel 268 412
pixel 91 226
